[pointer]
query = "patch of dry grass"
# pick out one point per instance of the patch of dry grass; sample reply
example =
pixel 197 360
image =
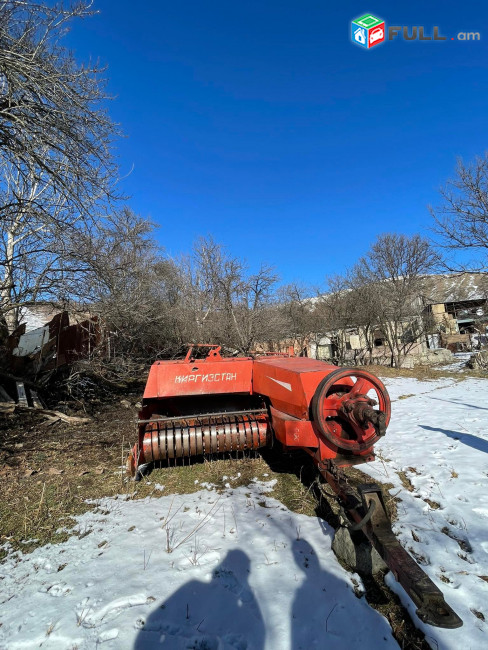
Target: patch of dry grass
pixel 433 504
pixel 424 373
pixel 50 472
pixel 406 482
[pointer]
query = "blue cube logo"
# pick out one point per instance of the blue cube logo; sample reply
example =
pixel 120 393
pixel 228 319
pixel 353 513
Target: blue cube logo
pixel 367 31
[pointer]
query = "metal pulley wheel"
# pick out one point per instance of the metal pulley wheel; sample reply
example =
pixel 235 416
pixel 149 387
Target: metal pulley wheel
pixel 343 408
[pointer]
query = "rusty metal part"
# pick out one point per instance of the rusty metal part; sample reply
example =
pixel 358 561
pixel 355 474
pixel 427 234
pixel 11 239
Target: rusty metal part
pixel 184 437
pixel 367 517
pixel 213 351
pixel 344 413
pixel 162 418
pixel 367 508
pixel 360 411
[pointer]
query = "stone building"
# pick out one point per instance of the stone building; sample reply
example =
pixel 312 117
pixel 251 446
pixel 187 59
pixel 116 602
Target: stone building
pixel 453 311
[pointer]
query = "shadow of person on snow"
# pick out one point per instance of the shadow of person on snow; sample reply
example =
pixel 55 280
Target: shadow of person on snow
pixel 466 438
pixel 222 613
pixel 326 613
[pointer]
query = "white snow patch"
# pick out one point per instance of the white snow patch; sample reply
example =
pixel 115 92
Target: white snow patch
pixel 459 363
pixel 232 581
pixel 439 439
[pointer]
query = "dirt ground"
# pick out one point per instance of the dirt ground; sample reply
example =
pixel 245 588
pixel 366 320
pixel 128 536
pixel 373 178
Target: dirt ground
pixel 49 472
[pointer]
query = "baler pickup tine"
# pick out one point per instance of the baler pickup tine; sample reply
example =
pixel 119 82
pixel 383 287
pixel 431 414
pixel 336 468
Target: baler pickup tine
pixel 170 439
pixel 368 509
pixel 203 416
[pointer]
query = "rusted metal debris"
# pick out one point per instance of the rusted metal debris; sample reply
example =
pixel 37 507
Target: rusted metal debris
pixel 366 511
pixel 55 344
pixel 30 358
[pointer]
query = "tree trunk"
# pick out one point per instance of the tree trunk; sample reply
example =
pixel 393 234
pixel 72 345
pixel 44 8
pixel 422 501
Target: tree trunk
pixel 9 310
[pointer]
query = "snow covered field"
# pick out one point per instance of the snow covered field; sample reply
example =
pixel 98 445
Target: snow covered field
pixel 239 571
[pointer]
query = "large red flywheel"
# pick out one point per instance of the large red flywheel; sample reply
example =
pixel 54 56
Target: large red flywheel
pixel 344 409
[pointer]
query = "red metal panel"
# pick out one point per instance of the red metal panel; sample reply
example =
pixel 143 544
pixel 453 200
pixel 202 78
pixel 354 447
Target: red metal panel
pixel 293 432
pixel 200 377
pixel 290 383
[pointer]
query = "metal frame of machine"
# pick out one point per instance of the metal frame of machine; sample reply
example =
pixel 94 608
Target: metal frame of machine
pixel 217 404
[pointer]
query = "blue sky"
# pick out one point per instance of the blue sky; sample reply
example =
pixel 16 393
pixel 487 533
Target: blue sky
pixel 262 124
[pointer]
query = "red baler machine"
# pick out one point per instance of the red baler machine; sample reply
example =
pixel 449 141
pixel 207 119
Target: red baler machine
pixel 217 404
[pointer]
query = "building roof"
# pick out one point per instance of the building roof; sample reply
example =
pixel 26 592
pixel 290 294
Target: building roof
pixel 39 314
pixel 35 316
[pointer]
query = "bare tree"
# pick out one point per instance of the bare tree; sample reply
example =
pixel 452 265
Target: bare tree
pixel 56 168
pixel 365 310
pixel 343 311
pixel 219 301
pixel 51 120
pixel 127 281
pixel 335 312
pixel 38 225
pixel 206 272
pixel 300 323
pixel 462 220
pixel 246 301
pixel 393 270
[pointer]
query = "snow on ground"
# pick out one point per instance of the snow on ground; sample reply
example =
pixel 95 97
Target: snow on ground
pixel 239 571
pixel 243 572
pixel 439 438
